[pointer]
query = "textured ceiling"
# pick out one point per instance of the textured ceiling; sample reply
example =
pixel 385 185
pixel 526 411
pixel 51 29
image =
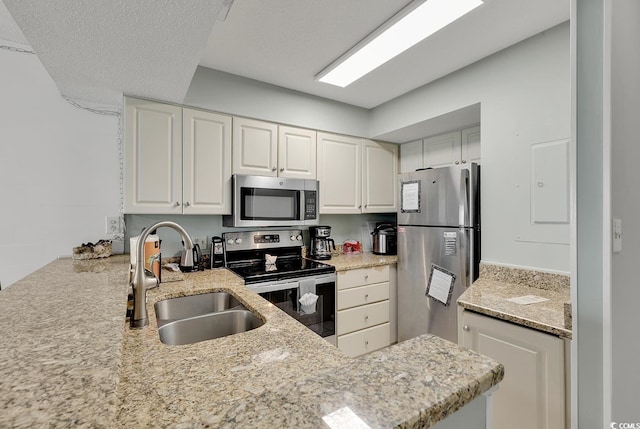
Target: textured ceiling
pixel 96 50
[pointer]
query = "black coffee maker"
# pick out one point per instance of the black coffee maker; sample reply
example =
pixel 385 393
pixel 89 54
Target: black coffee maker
pixel 320 242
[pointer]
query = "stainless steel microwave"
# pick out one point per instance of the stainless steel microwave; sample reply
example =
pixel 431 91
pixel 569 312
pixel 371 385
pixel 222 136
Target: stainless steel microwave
pixel 272 201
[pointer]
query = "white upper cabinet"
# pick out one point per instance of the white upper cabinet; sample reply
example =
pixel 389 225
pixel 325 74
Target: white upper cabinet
pixel 255 147
pixel 380 172
pixel 296 153
pixel 470 145
pixel 153 157
pixel 177 161
pixel 206 162
pixel 267 149
pixel 356 175
pixel 442 150
pixel 339 163
pixel 458 147
pixel 411 156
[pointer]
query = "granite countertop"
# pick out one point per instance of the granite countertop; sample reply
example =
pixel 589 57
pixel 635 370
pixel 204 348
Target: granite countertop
pixel 69 359
pixel 488 295
pixel 352 261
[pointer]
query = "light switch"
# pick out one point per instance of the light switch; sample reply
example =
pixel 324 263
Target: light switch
pixel 617 235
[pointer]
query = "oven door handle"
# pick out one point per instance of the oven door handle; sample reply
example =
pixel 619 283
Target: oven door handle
pixel 262 288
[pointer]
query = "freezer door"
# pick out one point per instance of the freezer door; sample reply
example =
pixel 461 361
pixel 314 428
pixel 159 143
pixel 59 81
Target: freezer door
pixel 418 249
pixel 446 196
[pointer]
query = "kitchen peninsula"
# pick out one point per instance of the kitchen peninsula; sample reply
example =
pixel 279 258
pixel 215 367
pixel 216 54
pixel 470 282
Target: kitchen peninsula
pixel 67 359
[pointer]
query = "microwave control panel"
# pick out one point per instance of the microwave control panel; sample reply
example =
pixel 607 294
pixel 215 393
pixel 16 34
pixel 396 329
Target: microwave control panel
pixel 310 205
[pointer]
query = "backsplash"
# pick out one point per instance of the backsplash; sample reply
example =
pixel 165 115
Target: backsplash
pixel 343 227
pixel 521 276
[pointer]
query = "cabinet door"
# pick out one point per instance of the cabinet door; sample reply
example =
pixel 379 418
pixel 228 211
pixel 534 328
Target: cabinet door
pixel 153 157
pixel 296 153
pixel 339 163
pixel 533 390
pixel 471 145
pixel 380 172
pixel 255 147
pixel 206 162
pixel 411 156
pixel 442 150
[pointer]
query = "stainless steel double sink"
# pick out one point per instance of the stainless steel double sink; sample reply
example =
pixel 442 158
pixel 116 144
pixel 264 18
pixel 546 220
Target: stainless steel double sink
pixel 194 318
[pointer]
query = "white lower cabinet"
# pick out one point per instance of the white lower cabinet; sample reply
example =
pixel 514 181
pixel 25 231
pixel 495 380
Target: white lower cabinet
pixel 363 316
pixel 365 341
pixel 532 394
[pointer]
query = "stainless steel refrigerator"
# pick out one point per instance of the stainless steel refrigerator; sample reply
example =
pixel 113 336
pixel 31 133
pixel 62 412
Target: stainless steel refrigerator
pixel 438 247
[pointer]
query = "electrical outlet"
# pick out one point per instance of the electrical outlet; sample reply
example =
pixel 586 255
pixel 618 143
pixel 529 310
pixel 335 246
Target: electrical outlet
pixel 113 225
pixel 202 242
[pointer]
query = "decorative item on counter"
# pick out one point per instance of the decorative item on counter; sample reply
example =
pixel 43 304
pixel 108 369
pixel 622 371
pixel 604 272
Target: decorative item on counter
pixel 351 247
pixel 308 303
pixel 101 249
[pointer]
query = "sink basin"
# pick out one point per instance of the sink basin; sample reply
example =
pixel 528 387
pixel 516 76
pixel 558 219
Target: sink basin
pixel 194 318
pixel 195 305
pixel 208 327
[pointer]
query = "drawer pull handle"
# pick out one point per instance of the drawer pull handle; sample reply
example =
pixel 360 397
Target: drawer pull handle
pixel 466 327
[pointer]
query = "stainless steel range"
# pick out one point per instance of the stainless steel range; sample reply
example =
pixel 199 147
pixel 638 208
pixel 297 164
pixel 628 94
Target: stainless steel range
pixel 271 264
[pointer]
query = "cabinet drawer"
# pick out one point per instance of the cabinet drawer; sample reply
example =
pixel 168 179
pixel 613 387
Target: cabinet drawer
pixel 365 341
pixel 362 317
pixel 362 276
pixel 362 295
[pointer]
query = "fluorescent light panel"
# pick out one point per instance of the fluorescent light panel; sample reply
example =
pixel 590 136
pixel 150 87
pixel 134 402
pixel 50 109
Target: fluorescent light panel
pixel 417 25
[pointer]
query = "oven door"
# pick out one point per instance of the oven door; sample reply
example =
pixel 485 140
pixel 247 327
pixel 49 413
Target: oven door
pixel 286 296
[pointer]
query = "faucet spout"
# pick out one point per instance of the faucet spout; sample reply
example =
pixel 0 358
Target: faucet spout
pixel 144 279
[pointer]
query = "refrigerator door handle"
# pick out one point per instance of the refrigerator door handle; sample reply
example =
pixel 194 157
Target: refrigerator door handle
pixel 464 194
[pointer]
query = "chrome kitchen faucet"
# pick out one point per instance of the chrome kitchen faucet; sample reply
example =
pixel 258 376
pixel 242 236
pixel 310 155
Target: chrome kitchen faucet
pixel 144 279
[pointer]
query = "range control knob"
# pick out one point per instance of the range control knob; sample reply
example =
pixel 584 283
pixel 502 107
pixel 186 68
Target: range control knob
pixel 238 240
pixel 299 237
pixel 230 241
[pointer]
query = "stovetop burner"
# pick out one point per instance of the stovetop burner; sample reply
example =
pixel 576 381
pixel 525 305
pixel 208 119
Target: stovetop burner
pixel 246 253
pixel 281 270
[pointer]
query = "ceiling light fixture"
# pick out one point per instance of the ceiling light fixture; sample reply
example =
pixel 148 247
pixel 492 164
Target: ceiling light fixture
pixel 411 25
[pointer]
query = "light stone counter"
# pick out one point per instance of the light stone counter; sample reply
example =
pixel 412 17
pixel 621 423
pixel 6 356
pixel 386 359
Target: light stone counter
pixel 68 359
pixel 344 262
pixel 488 295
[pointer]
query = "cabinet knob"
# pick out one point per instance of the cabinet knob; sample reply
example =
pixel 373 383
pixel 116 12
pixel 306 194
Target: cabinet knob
pixel 177 203
pixel 366 296
pixel 457 162
pixel 187 204
pixel 464 161
pixel 466 328
pixel 360 206
pixel 366 342
pixel 281 169
pixel 366 317
pixel 273 169
pixel 366 277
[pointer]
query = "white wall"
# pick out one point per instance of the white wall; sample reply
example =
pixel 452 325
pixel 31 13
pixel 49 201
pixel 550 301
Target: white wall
pixel 524 96
pixel 58 168
pixel 625 291
pixel 227 93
